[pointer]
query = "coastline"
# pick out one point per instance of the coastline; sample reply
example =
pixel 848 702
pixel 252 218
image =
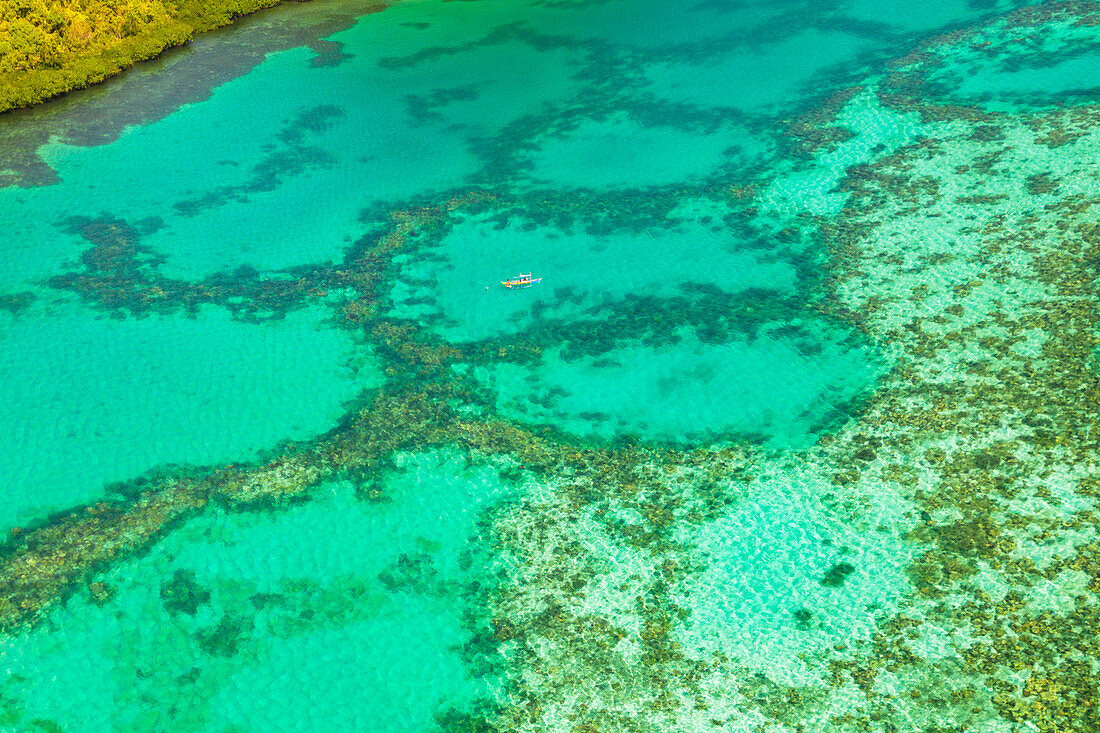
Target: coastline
pixel 103 58
pixel 148 91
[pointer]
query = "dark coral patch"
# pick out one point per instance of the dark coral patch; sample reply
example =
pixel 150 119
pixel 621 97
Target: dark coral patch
pixel 837 574
pixel 183 594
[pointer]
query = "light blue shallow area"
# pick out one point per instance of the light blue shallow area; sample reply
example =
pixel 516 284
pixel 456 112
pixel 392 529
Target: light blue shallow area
pixel 337 615
pixel 798 186
pixel 761 598
pixel 91 400
pixel 766 389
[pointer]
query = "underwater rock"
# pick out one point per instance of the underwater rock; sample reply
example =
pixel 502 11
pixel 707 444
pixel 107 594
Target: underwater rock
pixel 803 617
pixel 225 639
pixel 837 574
pixel 101 592
pixel 182 594
pixel 410 572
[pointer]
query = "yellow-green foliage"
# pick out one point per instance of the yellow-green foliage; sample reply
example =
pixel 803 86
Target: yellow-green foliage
pixel 48 47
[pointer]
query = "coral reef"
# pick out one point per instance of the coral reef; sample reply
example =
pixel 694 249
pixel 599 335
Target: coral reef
pixel 969 257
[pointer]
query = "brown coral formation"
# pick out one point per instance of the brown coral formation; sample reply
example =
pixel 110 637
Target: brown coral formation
pixel 988 425
pixel 121 275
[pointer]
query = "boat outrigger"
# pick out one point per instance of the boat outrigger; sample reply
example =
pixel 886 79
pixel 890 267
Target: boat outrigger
pixel 520 281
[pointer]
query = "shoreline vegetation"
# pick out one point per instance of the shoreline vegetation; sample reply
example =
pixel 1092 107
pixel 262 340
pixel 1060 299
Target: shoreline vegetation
pixel 50 47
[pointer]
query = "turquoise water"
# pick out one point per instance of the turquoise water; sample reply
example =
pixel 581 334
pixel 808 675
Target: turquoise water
pixel 1023 67
pixel 101 401
pixel 591 269
pixel 684 452
pixel 359 619
pixel 766 388
pixel 606 154
pixel 763 599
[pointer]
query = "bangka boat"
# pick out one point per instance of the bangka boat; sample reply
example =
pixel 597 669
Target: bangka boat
pixel 521 281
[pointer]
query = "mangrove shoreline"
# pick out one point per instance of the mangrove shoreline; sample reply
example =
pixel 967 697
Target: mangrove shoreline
pixel 51 47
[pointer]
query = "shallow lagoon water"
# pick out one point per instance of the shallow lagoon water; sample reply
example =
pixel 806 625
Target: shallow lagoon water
pixel 456 283
pixel 766 389
pixel 214 629
pixel 778 593
pixel 618 152
pixel 99 400
pixel 637 156
pixel 1029 68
